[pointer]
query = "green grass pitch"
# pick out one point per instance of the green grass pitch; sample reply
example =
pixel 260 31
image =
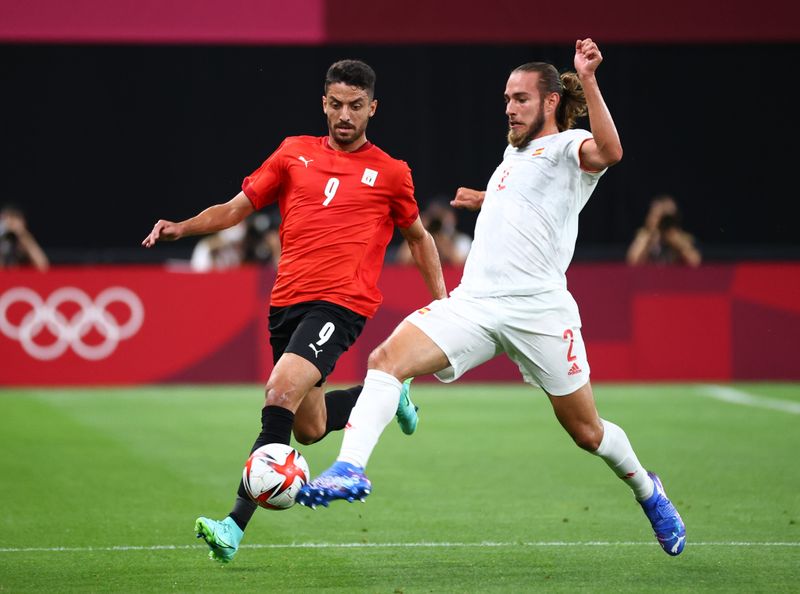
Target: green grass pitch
pixel 99 490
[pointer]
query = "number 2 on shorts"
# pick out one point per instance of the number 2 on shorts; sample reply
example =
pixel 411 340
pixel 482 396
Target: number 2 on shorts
pixel 568 336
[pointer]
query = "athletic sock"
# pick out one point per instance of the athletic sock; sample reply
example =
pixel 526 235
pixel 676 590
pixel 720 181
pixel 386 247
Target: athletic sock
pixel 339 404
pixel 374 410
pixel 276 427
pixel 617 452
pixel 243 510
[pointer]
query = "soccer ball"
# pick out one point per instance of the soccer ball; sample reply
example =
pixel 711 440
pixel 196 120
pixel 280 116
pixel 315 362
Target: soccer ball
pixel 274 474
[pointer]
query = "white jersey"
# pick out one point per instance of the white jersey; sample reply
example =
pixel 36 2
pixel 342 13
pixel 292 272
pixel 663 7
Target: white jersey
pixel 526 231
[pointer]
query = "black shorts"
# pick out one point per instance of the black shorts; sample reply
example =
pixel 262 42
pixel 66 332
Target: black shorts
pixel 318 331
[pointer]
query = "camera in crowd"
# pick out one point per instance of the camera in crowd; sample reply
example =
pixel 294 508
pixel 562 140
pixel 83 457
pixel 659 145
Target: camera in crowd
pixel 669 221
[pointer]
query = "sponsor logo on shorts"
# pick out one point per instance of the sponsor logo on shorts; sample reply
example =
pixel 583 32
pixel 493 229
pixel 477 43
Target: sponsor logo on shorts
pixel 574 370
pixel 316 351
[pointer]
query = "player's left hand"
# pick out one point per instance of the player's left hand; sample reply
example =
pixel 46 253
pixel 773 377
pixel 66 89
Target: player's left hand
pixel 468 199
pixel 587 57
pixel 162 231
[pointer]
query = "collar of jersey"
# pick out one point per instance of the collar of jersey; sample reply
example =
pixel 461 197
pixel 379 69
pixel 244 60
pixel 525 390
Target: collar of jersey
pixel 366 146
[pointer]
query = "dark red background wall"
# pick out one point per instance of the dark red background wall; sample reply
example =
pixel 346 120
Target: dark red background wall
pixel 410 21
pixel 717 323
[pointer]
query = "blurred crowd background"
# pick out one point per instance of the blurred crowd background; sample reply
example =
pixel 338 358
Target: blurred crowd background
pixel 117 114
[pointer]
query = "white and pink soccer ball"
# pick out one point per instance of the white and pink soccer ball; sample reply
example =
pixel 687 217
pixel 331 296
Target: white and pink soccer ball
pixel 274 474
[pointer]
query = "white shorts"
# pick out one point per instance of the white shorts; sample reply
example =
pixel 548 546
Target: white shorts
pixel 540 333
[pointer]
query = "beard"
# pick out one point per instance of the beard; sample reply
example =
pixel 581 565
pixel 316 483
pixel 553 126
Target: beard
pixel 520 139
pixel 346 136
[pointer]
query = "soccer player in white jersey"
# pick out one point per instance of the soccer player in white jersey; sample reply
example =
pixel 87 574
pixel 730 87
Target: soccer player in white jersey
pixel 513 296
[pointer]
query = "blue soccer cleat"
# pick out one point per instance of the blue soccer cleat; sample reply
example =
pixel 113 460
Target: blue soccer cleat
pixel 665 519
pixel 222 538
pixel 340 481
pixel 406 413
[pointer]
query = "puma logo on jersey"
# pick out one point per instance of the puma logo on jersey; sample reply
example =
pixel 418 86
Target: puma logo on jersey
pixel 305 161
pixel 313 348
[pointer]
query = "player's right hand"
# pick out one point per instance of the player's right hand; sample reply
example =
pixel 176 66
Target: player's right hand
pixel 467 198
pixel 587 57
pixel 162 231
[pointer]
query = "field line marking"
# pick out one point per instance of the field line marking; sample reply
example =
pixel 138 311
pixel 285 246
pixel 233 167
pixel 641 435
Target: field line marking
pixel 390 545
pixel 735 396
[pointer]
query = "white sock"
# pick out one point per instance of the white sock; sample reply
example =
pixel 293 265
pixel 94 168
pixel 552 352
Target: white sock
pixel 375 408
pixel 617 452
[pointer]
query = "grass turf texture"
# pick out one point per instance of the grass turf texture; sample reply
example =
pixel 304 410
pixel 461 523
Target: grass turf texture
pixel 112 474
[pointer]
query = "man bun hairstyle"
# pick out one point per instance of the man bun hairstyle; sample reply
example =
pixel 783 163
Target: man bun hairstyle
pixel 572 104
pixel 573 101
pixel 353 73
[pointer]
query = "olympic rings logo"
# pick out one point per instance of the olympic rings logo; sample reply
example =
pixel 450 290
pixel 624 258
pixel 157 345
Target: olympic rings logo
pixel 70 331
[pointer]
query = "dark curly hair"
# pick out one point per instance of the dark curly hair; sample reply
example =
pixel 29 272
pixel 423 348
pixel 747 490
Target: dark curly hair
pixel 354 73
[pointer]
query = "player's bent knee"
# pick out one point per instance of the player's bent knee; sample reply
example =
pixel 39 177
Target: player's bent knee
pixel 281 393
pixel 587 438
pixel 379 359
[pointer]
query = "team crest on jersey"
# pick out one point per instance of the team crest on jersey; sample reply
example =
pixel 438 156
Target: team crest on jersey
pixel 369 177
pixel 537 152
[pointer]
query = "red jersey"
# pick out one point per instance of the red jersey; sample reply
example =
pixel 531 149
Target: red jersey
pixel 338 214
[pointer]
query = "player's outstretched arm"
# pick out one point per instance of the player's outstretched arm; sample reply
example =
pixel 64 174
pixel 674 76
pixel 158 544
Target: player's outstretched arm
pixel 214 218
pixel 605 148
pixel 426 257
pixel 468 198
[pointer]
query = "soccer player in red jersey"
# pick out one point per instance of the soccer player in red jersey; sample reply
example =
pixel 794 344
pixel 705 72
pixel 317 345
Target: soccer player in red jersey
pixel 340 197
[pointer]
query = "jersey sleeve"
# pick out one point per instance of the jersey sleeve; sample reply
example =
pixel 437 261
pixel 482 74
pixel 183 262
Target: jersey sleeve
pixel 263 185
pixel 573 150
pixel 588 179
pixel 404 206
